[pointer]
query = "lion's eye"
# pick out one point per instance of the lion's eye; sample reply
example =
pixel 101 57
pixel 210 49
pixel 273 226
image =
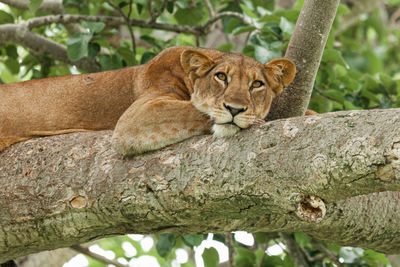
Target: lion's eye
pixel 221 76
pixel 257 84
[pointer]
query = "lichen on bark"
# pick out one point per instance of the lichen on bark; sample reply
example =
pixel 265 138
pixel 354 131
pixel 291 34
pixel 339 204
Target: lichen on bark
pixel 63 190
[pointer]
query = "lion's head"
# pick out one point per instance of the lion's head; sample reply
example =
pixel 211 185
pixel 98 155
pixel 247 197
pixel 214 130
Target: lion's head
pixel 235 90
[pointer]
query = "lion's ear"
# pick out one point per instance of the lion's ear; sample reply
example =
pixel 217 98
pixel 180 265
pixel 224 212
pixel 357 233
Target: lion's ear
pixel 280 72
pixel 195 62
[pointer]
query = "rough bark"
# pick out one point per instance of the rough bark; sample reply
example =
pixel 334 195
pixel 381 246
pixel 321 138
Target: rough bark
pixel 313 174
pixel 305 50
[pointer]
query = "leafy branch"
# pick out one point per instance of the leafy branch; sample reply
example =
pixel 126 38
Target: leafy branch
pixel 22 34
pixel 96 256
pixel 128 24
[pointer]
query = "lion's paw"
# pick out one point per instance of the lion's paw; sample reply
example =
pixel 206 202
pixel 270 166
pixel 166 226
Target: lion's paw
pixel 224 130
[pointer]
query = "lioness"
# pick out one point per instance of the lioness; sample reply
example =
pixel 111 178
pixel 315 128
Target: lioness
pixel 182 92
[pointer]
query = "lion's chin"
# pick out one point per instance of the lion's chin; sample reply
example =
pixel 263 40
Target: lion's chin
pixel 225 130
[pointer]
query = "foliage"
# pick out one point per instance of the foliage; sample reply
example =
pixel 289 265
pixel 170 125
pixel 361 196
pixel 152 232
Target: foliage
pixel 359 70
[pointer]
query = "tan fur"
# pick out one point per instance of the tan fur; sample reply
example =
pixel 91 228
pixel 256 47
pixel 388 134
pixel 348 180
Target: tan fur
pixel 173 97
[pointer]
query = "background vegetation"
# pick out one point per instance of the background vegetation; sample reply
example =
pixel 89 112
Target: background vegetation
pixel 359 70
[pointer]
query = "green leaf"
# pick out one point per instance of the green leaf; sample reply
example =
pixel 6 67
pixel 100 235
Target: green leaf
pixel 335 56
pixel 6 76
pixel 108 62
pixel 340 70
pixel 139 8
pixel 127 55
pixel 342 10
pixel 272 261
pixel 287 261
pixel 244 257
pixel 302 239
pixel 260 237
pixel 94 27
pixel 350 255
pixel 165 244
pixel 286 26
pixel 231 23
pixel 151 40
pixel 11 51
pixel 77 46
pixel 242 29
pixel 349 106
pixel 93 50
pixel 210 257
pixel 371 84
pixel 369 95
pixel 243 262
pixel 146 57
pixel 226 47
pixel 264 55
pixel 334 95
pixel 219 238
pixel 350 83
pixel 192 240
pixel 248 11
pixel 5 17
pixel 393 2
pixel 189 16
pixel 170 7
pixel 123 4
pixel 376 256
pixel 388 83
pixel 375 64
pixel 12 64
pixel 34 4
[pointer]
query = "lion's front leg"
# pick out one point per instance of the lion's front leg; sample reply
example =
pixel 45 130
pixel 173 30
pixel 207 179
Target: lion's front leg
pixel 150 124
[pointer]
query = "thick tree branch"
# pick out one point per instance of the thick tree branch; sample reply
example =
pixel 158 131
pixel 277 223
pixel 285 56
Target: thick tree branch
pixel 52 6
pixel 305 50
pixel 294 250
pixel 114 21
pixel 19 34
pixel 313 174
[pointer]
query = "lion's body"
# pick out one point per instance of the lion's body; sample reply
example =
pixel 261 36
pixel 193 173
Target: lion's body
pixel 155 104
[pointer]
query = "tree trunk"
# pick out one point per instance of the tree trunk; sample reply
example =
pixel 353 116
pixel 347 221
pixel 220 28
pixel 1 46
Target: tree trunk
pixel 305 50
pixel 314 174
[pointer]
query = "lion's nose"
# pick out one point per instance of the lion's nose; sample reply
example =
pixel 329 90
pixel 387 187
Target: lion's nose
pixel 233 110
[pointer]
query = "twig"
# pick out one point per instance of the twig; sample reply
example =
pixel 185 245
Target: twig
pixel 318 257
pixel 320 92
pixel 21 33
pixel 265 253
pixel 212 20
pixel 294 250
pixel 327 252
pixel 96 256
pixel 155 15
pixel 112 21
pixel 211 12
pixel 149 8
pixel 394 17
pixel 129 24
pixel 231 250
